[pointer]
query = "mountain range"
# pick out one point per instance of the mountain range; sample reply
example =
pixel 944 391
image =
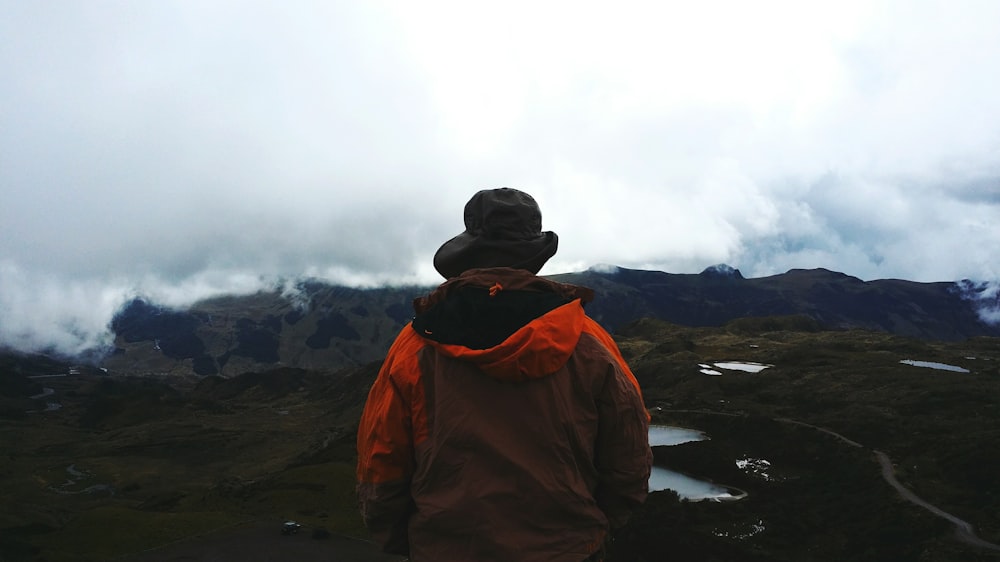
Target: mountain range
pixel 858 384
pixel 322 326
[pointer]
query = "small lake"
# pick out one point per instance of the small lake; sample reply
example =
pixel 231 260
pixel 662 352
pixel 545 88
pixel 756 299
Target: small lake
pixel 742 366
pixel 934 365
pixel 666 435
pixel 687 488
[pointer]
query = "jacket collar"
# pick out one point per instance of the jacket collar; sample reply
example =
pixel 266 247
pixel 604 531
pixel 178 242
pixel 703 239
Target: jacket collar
pixel 508 279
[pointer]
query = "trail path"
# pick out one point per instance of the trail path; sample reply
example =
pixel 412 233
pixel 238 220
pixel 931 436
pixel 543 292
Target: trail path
pixel 963 529
pixel 966 533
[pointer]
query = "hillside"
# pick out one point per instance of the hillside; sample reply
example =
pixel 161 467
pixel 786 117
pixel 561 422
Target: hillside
pixel 328 327
pixel 932 311
pixel 131 463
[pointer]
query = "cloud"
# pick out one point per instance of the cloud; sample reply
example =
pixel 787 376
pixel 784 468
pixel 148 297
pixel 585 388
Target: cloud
pixel 183 149
pixel 43 313
pixel 984 296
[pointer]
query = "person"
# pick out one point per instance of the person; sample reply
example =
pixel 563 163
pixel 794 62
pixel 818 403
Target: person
pixel 504 424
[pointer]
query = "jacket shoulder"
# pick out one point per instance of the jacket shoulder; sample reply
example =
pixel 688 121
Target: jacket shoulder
pixel 595 330
pixel 591 327
pixel 402 356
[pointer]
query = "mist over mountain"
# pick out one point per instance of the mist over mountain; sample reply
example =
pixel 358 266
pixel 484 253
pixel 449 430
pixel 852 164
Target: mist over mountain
pixel 317 325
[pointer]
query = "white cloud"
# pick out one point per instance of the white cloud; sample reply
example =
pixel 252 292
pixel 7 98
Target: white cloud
pixel 189 148
pixel 45 313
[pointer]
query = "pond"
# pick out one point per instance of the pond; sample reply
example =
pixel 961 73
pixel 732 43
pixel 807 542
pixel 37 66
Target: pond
pixel 666 435
pixel 934 365
pixel 687 488
pixel 743 366
pixel 690 489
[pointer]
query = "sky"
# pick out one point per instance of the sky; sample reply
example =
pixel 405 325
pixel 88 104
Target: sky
pixel 177 150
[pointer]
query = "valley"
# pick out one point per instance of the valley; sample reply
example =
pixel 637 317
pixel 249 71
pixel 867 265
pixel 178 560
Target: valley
pixel 129 464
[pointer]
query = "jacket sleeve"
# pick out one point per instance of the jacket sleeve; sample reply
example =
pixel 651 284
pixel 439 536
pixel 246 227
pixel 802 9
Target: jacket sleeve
pixel 622 454
pixel 385 453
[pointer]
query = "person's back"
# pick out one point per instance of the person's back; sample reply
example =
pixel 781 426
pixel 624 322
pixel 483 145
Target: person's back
pixel 504 424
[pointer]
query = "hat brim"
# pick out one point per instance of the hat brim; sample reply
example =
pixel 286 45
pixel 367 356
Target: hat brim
pixel 466 251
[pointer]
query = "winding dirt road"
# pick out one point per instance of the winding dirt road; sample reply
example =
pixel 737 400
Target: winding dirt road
pixel 964 530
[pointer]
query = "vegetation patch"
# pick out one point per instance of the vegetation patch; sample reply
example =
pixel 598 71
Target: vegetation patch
pixel 108 532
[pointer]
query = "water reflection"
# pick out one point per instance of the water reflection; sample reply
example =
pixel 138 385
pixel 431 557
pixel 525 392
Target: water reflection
pixel 744 366
pixel 687 488
pixel 665 435
pixel 934 365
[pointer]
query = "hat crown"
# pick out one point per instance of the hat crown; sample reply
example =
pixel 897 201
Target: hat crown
pixel 503 228
pixel 503 214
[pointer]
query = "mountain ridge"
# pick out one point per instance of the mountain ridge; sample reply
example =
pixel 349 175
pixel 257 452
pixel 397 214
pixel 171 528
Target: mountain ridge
pixel 333 327
pixel 936 311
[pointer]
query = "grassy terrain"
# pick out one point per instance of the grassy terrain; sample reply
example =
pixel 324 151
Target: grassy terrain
pixel 170 464
pixel 129 464
pixel 940 428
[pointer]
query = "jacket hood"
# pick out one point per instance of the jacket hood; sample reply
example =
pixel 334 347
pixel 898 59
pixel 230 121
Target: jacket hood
pixel 513 325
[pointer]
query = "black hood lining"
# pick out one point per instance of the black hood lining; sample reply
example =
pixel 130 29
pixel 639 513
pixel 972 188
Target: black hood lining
pixel 470 317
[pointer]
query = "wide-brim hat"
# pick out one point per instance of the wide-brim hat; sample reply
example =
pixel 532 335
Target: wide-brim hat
pixel 503 228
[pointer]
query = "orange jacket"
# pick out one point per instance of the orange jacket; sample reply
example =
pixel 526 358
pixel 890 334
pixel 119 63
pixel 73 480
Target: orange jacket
pixel 503 425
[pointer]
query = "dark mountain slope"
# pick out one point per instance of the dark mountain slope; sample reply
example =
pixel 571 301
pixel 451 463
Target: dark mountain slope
pixel 329 327
pixel 934 311
pixel 320 327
